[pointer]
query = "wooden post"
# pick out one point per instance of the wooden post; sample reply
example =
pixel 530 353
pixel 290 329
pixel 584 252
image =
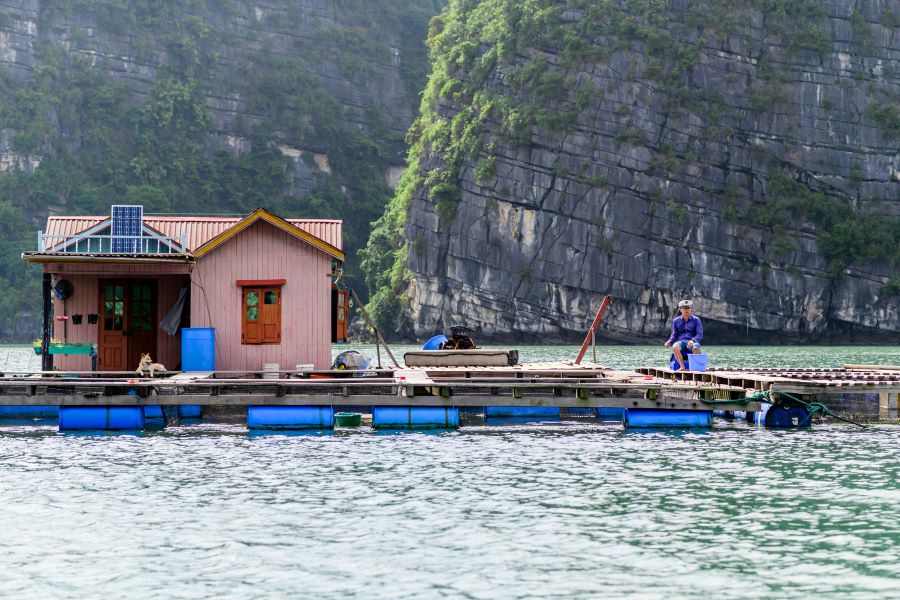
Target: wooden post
pixel 46 330
pixel 365 314
pixel 884 411
pixel 590 334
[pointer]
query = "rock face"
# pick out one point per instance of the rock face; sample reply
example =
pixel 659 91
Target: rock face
pixel 300 106
pixel 742 158
pixel 231 37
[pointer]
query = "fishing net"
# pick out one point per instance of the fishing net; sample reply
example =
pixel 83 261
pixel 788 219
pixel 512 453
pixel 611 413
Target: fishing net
pixel 865 407
pixel 219 413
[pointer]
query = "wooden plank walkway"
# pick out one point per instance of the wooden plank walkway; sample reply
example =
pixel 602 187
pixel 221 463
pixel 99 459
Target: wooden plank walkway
pixel 790 380
pixel 542 384
pixel 562 384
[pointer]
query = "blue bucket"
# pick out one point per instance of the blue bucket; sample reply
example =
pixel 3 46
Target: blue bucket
pixel 693 362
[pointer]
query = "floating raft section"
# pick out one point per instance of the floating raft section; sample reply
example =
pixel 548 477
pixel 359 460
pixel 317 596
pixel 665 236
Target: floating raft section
pixel 792 381
pixel 546 390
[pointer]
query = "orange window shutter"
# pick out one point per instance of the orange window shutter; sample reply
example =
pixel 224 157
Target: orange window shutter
pixel 250 317
pixel 261 311
pixel 278 317
pixel 270 316
pixel 243 316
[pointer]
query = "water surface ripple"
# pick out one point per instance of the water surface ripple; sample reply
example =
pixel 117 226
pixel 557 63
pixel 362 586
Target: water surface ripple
pixel 574 510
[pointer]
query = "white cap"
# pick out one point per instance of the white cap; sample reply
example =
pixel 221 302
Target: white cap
pixel 685 304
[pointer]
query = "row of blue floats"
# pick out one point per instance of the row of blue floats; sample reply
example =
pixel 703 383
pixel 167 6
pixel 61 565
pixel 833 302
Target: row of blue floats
pixel 73 418
pixel 436 417
pixel 323 417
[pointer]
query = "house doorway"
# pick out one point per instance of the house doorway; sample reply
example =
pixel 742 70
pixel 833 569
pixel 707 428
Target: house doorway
pixel 127 323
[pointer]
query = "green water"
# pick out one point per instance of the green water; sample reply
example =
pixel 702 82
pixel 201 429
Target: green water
pixel 574 509
pixel 630 357
pixel 22 358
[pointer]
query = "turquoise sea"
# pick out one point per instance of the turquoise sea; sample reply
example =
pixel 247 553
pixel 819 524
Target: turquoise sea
pixel 547 510
pixel 630 357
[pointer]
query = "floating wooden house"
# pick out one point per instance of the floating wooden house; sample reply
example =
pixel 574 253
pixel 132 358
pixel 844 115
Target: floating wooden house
pixel 264 283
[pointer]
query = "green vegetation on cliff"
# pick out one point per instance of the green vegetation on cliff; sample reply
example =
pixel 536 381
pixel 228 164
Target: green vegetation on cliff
pixel 513 74
pixel 99 143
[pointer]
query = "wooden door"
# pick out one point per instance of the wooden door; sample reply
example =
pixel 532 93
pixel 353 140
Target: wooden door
pixel 141 322
pixel 127 323
pixel 111 346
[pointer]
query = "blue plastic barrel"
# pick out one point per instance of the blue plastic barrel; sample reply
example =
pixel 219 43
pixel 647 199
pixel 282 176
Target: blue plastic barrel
pixel 610 414
pixel 756 417
pixel 154 417
pixel 101 417
pixel 644 417
pixel 435 342
pixel 503 412
pixel 29 412
pixel 198 349
pixel 190 411
pixel 787 416
pixel 290 417
pixel 415 417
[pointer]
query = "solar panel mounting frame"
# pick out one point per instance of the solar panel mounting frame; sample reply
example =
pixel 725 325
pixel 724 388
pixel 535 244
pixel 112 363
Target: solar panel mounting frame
pixel 127 221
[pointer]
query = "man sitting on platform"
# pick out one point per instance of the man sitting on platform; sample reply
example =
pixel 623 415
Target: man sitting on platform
pixel 687 331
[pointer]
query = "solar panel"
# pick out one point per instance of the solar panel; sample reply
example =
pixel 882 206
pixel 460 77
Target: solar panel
pixel 126 228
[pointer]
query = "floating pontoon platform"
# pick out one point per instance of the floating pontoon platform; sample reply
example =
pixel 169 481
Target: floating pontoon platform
pixel 548 384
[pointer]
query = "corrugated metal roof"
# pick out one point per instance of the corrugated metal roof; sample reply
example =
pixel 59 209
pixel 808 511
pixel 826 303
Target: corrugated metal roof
pixel 198 230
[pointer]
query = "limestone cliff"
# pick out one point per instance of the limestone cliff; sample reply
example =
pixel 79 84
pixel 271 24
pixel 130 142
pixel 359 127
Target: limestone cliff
pixel 742 154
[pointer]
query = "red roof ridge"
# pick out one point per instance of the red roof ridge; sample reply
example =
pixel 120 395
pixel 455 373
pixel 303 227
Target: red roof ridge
pixel 232 219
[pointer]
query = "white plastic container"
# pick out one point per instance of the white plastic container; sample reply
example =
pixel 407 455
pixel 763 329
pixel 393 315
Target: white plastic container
pixel 271 370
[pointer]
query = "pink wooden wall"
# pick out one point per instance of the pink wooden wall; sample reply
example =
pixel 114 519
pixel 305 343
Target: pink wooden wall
pixel 85 278
pixel 265 252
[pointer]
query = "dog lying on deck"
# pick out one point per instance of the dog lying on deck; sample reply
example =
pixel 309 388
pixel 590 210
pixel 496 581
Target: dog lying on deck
pixel 148 366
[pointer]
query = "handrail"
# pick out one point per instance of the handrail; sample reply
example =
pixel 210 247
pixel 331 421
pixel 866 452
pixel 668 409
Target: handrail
pixel 111 244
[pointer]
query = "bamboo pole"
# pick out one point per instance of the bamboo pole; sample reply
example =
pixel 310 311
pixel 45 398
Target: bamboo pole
pixel 851 367
pixel 365 314
pixel 590 333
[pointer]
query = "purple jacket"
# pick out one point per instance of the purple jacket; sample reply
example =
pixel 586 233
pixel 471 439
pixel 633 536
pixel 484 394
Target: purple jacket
pixel 683 331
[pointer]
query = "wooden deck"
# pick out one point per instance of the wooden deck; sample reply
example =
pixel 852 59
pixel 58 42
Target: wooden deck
pixel 537 384
pixel 792 381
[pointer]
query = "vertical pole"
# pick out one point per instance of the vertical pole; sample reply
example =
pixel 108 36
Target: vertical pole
pixel 883 404
pixel 378 350
pixel 46 331
pixel 365 314
pixel 587 338
pixel 594 345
